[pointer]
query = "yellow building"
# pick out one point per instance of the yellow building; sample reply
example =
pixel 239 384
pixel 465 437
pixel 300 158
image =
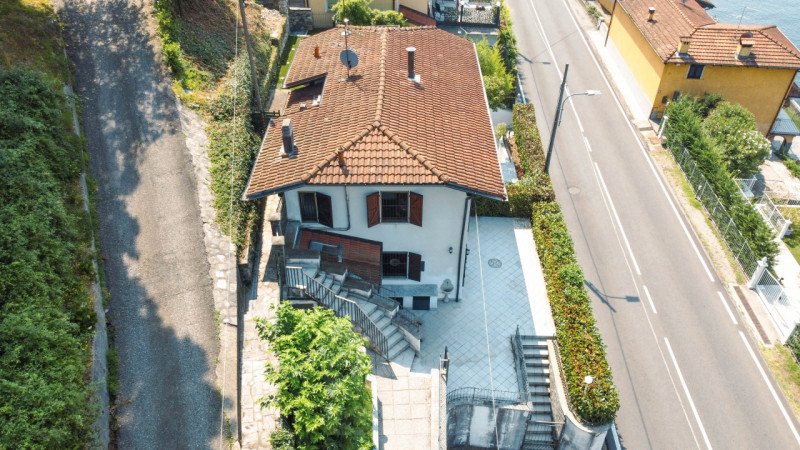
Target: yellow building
pixel 674 47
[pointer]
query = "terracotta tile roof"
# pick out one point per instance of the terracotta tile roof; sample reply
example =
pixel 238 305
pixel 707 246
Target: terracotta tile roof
pixel 378 127
pixel 711 42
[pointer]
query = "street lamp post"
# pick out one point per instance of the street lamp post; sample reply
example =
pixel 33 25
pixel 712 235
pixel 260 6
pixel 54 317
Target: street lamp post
pixel 559 111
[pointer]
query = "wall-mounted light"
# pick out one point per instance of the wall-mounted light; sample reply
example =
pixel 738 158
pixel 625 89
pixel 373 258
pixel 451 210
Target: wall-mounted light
pixel 450 250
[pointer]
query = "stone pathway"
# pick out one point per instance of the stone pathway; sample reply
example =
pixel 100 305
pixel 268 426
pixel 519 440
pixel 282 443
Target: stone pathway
pixel 221 255
pixel 257 422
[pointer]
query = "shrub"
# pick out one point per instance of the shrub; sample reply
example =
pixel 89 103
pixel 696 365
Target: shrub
pixel 732 128
pixel 685 129
pixel 527 137
pixel 46 318
pixel 358 12
pixel 320 378
pixel 580 344
pixel 388 17
pixel 499 84
pixel 507 42
pixel 282 439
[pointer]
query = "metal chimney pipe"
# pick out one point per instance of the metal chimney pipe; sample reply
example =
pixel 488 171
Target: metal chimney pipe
pixel 411 51
pixel 652 11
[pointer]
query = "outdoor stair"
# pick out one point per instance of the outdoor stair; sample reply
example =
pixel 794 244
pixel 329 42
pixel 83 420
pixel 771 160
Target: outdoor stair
pixel 538 434
pixel 336 278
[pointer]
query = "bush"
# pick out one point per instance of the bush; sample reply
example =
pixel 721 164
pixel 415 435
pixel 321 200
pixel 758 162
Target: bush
pixel 358 12
pixel 507 42
pixel 685 129
pixel 498 82
pixel 320 377
pixel 733 129
pixel 46 318
pixel 282 439
pixel 527 137
pixel 580 344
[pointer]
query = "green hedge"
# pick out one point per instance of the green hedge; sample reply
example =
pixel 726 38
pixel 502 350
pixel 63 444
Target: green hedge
pixel 685 129
pixel 46 316
pixel 580 344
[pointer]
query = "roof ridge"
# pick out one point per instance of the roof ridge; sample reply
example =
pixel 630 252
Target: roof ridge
pixel 419 157
pixel 336 153
pixel 381 78
pixel 766 27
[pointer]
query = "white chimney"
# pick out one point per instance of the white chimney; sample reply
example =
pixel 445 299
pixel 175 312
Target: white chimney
pixel 683 45
pixel 746 43
pixel 652 11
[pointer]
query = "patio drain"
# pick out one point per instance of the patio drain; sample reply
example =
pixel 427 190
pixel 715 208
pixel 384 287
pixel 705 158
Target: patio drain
pixel 495 263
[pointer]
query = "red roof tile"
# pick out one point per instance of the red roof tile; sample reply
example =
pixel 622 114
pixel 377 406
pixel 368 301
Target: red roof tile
pixel 379 127
pixel 711 42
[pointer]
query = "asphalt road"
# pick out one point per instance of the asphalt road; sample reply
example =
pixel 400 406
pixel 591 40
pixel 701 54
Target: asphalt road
pixel 161 307
pixel 688 373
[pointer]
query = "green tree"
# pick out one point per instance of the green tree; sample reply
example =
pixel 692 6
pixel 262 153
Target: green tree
pixel 732 128
pixel 320 378
pixel 358 12
pixel 498 82
pixel 388 17
pixel 507 42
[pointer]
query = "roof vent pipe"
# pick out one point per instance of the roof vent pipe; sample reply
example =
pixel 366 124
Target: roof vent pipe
pixel 411 52
pixel 652 11
pixel 287 136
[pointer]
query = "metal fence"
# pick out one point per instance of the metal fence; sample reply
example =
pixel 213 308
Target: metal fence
pixel 466 12
pixel 772 216
pixel 784 313
pixel 734 239
pixel 478 396
pixel 519 365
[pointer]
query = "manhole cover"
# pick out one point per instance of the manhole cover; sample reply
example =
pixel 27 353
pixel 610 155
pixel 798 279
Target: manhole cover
pixel 495 263
pixel 574 190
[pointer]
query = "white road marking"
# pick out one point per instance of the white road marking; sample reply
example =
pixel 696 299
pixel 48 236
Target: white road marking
pixel 636 137
pixel 771 389
pixel 619 222
pixel 728 308
pixel 647 293
pixel 688 395
pixel 586 142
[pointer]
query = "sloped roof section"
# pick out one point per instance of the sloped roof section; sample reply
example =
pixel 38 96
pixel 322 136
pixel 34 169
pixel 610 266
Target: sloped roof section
pixel 377 126
pixel 711 42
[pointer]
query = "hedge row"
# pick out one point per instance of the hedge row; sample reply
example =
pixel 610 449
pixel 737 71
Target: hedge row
pixel 580 345
pixel 46 317
pixel 685 129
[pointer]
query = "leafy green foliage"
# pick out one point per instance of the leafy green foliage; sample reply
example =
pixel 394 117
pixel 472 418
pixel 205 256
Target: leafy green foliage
pixel 320 378
pixel 685 129
pixel 793 167
pixel 46 318
pixel 733 129
pixel 359 12
pixel 507 42
pixel 793 343
pixel 282 439
pixel 579 342
pixel 498 82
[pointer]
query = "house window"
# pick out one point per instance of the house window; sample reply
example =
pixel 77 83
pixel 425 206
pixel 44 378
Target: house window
pixel 402 265
pixel 316 207
pixel 695 71
pixel 329 4
pixel 404 207
pixel 394 206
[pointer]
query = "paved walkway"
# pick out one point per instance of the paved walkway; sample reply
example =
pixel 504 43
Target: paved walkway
pixel 257 422
pixel 477 330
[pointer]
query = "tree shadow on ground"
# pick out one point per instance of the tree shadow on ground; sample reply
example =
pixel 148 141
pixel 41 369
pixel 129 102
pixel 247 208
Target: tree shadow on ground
pixel 151 235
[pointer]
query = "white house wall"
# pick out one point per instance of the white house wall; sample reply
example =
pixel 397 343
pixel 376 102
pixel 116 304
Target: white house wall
pixel 442 221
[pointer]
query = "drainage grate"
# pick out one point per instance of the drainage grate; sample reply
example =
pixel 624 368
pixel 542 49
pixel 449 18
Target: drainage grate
pixel 495 263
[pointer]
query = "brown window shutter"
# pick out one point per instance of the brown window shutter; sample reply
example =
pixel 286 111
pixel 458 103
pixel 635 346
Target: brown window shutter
pixel 324 210
pixel 415 215
pixel 414 266
pixel 373 209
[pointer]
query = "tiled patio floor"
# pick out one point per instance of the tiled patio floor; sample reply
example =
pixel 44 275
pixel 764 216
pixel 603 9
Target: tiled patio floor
pixel 488 312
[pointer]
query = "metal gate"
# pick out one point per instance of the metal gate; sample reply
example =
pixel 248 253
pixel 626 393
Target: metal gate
pixel 785 313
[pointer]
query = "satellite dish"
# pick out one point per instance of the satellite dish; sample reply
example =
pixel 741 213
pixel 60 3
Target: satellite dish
pixel 348 58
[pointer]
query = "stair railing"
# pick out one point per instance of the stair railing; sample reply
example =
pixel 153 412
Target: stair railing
pixel 342 307
pixel 519 362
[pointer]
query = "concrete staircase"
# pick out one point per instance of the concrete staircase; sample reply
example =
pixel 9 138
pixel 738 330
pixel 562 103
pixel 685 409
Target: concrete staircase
pixel 539 434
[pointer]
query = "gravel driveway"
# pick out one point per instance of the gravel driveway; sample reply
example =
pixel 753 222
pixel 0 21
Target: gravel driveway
pixel 151 233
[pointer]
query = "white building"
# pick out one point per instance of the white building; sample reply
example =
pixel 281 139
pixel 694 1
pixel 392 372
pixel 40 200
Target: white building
pixel 377 163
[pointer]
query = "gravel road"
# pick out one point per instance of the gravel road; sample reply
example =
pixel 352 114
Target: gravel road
pixel 161 306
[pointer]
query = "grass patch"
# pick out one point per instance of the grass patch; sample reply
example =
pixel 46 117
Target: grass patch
pixel 30 37
pixel 792 240
pixel 794 116
pixel 286 58
pixel 786 371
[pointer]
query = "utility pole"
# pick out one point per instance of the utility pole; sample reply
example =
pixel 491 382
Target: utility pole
pixel 253 74
pixel 556 120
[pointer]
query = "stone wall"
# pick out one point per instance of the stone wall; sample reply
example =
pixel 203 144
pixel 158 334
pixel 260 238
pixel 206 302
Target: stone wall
pixel 300 20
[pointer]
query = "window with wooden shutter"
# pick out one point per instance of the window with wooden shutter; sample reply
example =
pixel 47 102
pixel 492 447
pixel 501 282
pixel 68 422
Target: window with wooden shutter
pixel 373 209
pixel 324 210
pixel 414 267
pixel 415 215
